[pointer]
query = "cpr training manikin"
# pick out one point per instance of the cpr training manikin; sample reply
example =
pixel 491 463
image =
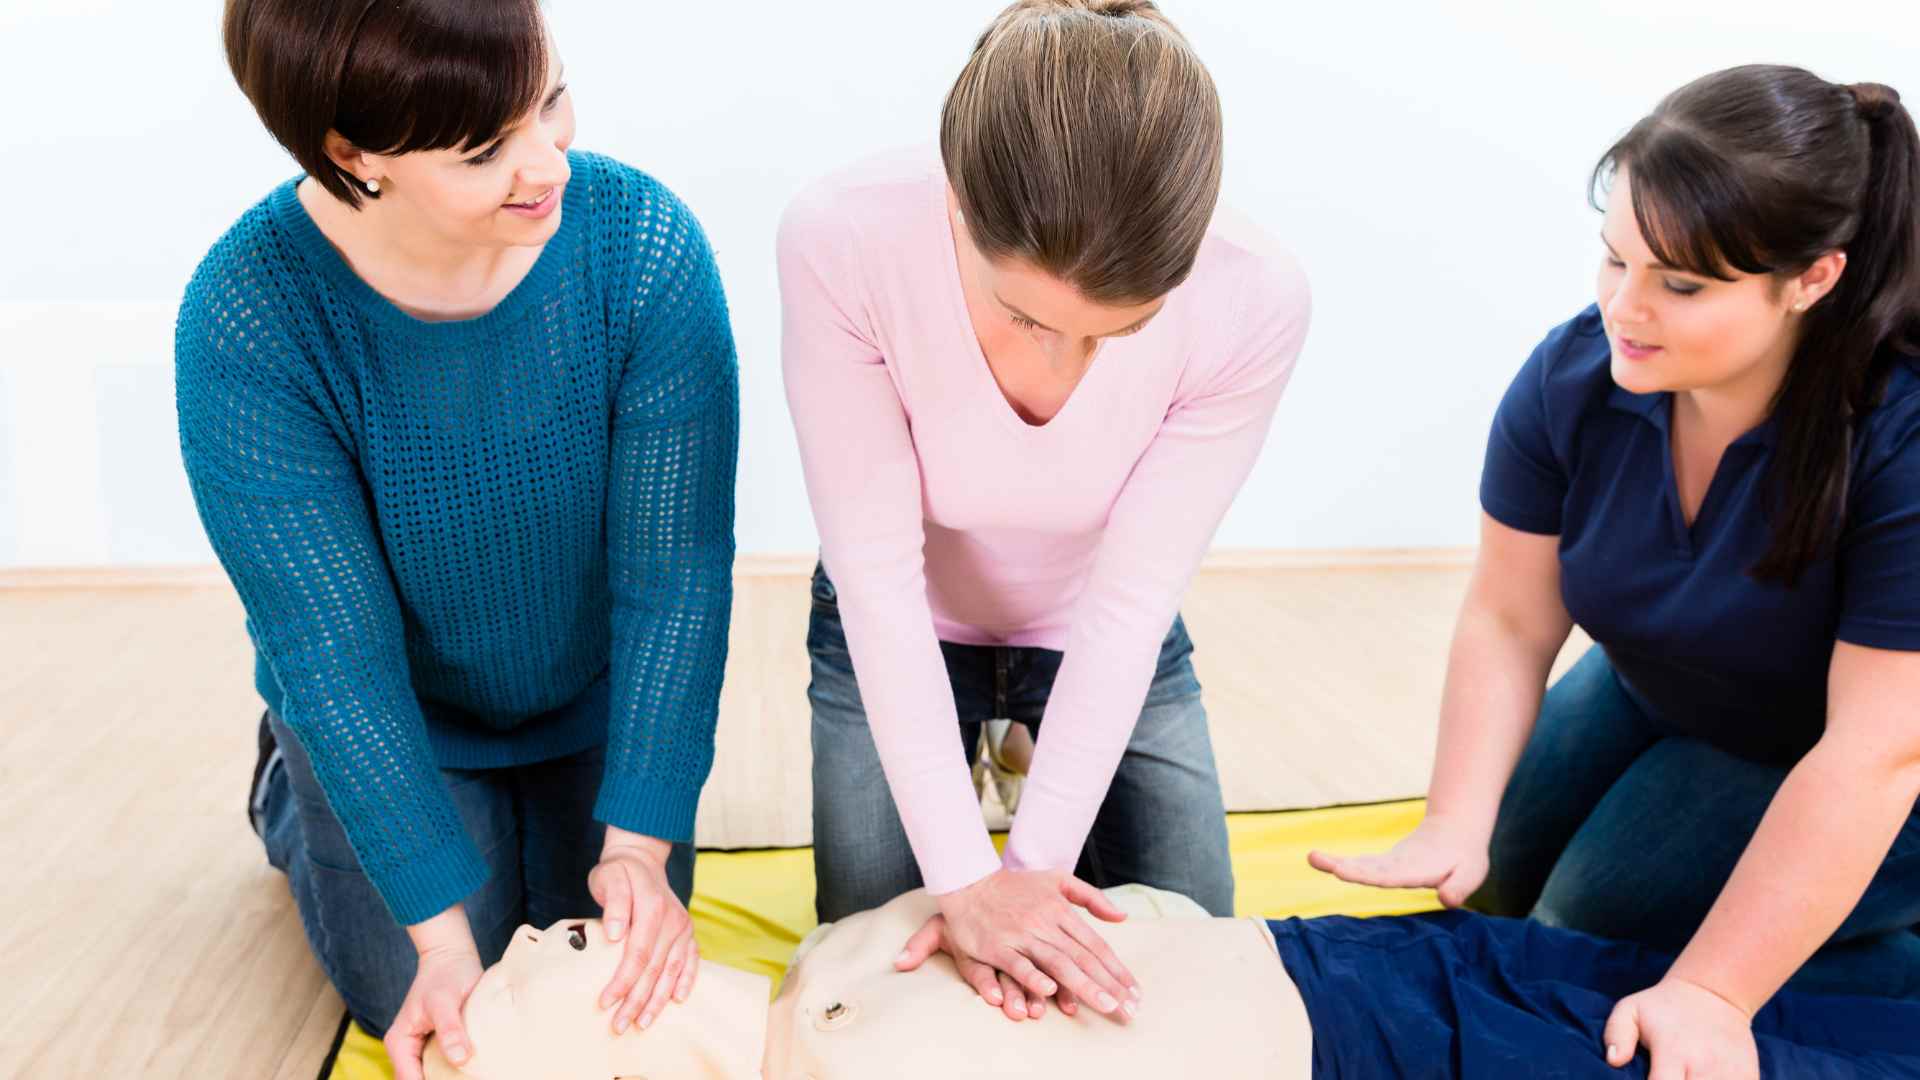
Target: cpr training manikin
pixel 1216 1002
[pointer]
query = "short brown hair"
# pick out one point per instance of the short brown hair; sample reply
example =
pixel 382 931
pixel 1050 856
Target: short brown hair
pixel 390 76
pixel 1083 137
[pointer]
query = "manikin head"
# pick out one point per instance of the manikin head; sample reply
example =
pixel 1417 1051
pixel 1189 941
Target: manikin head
pixel 533 1016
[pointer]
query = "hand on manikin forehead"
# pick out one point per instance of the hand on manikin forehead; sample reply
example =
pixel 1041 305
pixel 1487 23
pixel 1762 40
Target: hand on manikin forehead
pixel 535 1014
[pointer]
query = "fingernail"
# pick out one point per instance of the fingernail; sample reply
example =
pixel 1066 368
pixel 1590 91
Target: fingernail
pixel 456 1053
pixel 903 957
pixel 1130 1009
pixel 1049 988
pixel 1135 991
pixel 615 929
pixel 605 1000
pixel 646 1021
pixel 1612 1051
pixel 620 1026
pixel 1107 1003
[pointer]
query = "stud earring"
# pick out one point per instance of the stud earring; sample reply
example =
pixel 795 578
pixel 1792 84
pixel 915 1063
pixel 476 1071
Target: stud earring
pixel 373 187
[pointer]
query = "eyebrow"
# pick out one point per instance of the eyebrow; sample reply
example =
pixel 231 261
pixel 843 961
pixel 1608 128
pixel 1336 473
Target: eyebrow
pixel 1129 328
pixel 1656 264
pixel 559 84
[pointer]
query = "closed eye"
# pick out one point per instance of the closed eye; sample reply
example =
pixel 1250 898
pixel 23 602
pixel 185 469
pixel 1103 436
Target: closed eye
pixel 1677 288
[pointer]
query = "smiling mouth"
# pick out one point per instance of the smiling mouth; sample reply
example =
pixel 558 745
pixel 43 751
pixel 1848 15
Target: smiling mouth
pixel 533 204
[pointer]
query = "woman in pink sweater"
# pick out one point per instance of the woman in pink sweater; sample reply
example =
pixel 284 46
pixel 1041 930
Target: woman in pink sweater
pixel 1028 373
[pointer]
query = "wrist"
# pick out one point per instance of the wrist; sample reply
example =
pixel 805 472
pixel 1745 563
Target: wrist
pixel 1465 825
pixel 652 848
pixel 447 932
pixel 1704 983
pixel 959 896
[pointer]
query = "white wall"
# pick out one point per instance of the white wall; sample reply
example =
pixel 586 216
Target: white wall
pixel 1426 161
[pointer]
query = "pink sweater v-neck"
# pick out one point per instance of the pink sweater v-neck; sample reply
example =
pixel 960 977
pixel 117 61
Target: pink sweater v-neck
pixel 944 516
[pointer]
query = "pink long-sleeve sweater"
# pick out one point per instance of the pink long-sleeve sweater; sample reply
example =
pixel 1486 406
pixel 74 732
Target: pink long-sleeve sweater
pixel 944 516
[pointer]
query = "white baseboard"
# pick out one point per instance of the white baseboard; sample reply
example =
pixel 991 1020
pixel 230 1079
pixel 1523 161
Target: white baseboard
pixel 1236 559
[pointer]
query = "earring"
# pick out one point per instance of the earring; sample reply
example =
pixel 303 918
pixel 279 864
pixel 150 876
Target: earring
pixel 373 187
pixel 1801 306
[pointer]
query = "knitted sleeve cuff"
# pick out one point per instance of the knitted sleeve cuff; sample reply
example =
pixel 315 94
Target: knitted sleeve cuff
pixel 426 885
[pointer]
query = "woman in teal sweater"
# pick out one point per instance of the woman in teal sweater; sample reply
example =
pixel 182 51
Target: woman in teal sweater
pixel 460 411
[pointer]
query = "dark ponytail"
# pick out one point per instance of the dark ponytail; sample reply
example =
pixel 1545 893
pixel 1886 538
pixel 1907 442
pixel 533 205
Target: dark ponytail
pixel 1764 169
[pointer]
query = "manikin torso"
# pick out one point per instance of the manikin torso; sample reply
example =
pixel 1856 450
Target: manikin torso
pixel 1216 1002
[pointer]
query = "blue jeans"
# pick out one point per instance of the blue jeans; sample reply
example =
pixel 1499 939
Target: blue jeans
pixel 1162 823
pixel 534 826
pixel 1615 827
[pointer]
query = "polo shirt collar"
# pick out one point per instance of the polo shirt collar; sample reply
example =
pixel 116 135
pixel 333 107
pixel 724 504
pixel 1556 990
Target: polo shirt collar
pixel 1657 409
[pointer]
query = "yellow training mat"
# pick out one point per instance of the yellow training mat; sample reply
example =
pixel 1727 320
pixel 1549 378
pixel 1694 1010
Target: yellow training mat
pixel 751 908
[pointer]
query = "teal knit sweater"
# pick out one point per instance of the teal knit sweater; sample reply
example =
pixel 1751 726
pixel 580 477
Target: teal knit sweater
pixel 479 543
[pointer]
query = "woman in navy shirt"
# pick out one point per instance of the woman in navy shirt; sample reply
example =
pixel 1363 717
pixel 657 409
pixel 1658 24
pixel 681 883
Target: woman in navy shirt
pixel 1716 472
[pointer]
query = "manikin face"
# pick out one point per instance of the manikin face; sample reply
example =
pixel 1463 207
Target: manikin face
pixel 535 1016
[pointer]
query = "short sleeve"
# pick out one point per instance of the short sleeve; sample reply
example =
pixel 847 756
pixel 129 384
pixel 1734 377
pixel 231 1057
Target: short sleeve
pixel 1523 483
pixel 1880 554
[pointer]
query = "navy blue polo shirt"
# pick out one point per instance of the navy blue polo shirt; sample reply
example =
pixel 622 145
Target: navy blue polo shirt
pixel 1700 645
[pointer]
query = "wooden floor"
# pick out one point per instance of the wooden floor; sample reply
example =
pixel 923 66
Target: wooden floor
pixel 144 934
